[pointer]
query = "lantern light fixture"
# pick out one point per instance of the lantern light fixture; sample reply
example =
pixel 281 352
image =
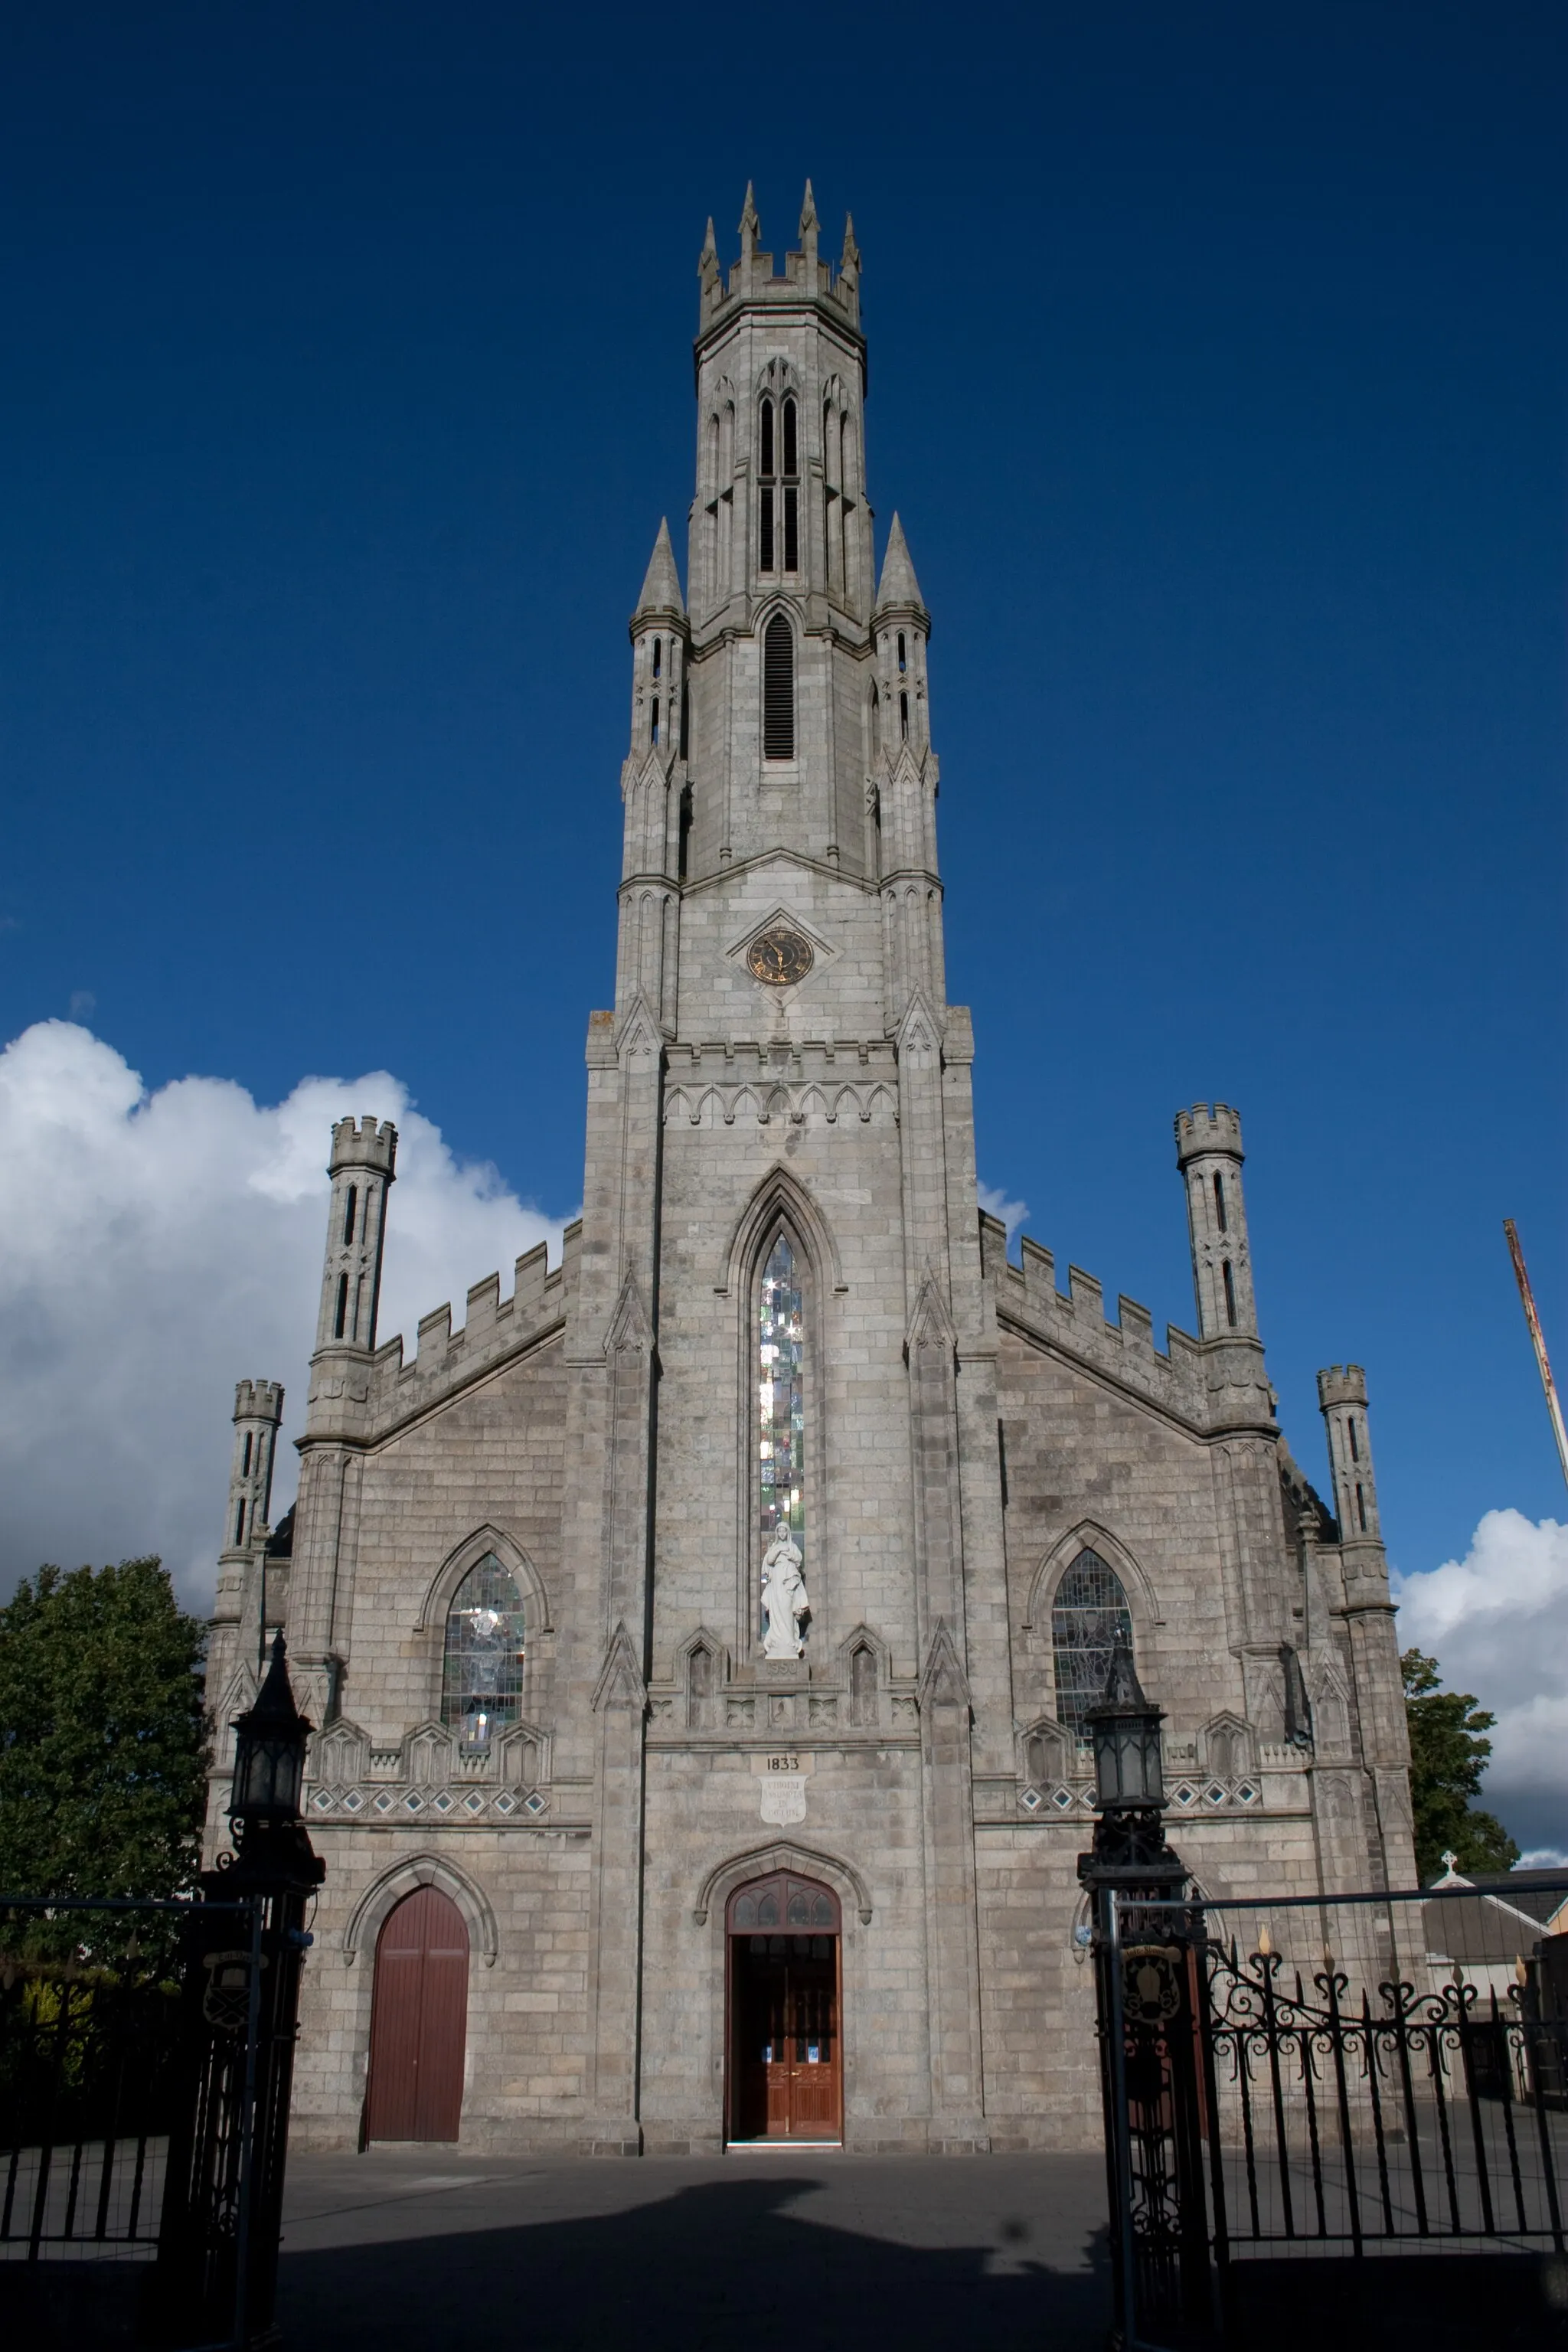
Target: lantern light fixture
pixel 269 1754
pixel 1124 1727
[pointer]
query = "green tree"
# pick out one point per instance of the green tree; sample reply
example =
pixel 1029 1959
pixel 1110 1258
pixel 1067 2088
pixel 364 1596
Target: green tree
pixel 103 1748
pixel 1448 1756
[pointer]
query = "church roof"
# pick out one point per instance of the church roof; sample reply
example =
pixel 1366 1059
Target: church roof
pixel 661 586
pixel 900 585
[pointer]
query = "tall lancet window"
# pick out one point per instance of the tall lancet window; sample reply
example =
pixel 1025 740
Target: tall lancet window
pixel 778 472
pixel 481 1672
pixel 781 1411
pixel 1089 1616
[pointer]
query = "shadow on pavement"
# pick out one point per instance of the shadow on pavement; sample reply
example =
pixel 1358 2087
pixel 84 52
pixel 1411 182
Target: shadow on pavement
pixel 713 2265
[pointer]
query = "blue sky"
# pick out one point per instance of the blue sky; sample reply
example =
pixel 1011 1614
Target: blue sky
pixel 1218 363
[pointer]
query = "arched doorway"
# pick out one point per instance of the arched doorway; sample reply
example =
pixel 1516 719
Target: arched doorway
pixel 784 2080
pixel 418 2021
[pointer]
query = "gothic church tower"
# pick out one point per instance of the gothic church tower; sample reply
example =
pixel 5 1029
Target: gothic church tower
pixel 781 1187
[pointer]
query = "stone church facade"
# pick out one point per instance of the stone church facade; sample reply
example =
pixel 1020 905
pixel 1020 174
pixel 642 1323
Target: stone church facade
pixel 698 1637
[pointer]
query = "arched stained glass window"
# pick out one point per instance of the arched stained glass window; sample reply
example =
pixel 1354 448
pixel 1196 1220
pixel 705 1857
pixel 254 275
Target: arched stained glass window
pixel 482 1674
pixel 781 1405
pixel 1089 1616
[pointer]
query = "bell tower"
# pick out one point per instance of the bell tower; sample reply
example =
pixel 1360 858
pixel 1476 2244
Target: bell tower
pixel 781 563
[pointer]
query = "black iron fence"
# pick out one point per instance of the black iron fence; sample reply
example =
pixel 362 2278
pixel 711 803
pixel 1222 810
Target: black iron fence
pixel 146 2054
pixel 1329 2081
pixel 90 2047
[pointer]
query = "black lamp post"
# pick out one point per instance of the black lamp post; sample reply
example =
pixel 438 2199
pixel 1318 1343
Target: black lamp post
pixel 1144 1990
pixel 221 2220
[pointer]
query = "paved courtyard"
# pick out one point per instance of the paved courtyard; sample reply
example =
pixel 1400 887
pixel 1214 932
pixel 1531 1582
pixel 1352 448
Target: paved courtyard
pixel 430 2249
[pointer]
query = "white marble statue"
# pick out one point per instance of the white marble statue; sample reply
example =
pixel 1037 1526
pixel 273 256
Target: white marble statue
pixel 784 1598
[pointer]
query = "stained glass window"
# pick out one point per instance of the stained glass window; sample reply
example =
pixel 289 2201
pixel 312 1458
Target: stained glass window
pixel 1089 1616
pixel 780 1416
pixel 481 1675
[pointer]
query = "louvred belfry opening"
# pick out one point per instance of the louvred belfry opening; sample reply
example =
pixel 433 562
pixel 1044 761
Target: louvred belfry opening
pixel 778 690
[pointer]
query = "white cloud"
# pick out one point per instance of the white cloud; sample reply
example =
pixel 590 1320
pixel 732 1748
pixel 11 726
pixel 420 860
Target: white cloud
pixel 995 1203
pixel 159 1246
pixel 1496 1622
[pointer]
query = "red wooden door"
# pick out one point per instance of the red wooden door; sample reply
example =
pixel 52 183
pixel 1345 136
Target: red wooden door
pixel 418 2021
pixel 786 2064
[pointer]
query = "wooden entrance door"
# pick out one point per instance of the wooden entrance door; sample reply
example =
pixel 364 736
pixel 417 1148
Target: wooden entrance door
pixel 786 2069
pixel 418 2021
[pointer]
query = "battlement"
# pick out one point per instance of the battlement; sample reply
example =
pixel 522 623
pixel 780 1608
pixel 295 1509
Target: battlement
pixel 445 1361
pixel 805 276
pixel 258 1400
pixel 363 1144
pixel 1027 1296
pixel 1201 1130
pixel 1341 1384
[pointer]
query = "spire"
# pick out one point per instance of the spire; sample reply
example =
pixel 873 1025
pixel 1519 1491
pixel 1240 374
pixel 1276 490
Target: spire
pixel 707 259
pixel 809 224
pixel 750 226
pixel 900 585
pixel 850 258
pixel 661 583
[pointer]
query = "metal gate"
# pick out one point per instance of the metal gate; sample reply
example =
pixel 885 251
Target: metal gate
pixel 146 2051
pixel 1293 2089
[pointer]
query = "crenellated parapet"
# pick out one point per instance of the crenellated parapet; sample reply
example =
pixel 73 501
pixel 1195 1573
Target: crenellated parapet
pixel 258 1400
pixel 1073 1322
pixel 805 276
pixel 1204 1129
pixel 446 1361
pixel 363 1143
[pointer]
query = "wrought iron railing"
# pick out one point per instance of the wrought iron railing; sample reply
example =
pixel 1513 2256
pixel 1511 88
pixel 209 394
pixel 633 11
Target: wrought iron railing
pixel 1266 2097
pixel 1338 2120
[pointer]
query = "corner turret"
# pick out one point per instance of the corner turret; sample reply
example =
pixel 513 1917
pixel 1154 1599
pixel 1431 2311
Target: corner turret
pixel 361 1166
pixel 658 659
pixel 901 626
pixel 1341 1399
pixel 1209 1155
pixel 257 1411
pixel 655 805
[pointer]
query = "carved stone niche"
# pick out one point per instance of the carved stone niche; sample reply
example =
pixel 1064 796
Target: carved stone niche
pixel 1230 1748
pixel 1049 1752
pixel 341 1756
pixel 864 1699
pixel 427 1757
pixel 520 1757
pixel 703 1670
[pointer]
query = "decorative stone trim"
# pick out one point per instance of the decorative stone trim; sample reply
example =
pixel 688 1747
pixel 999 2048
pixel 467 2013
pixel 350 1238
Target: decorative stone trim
pixel 422 1870
pixel 808 1860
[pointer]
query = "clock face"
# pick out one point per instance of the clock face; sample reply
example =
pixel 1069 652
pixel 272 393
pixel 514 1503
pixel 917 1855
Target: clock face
pixel 780 956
